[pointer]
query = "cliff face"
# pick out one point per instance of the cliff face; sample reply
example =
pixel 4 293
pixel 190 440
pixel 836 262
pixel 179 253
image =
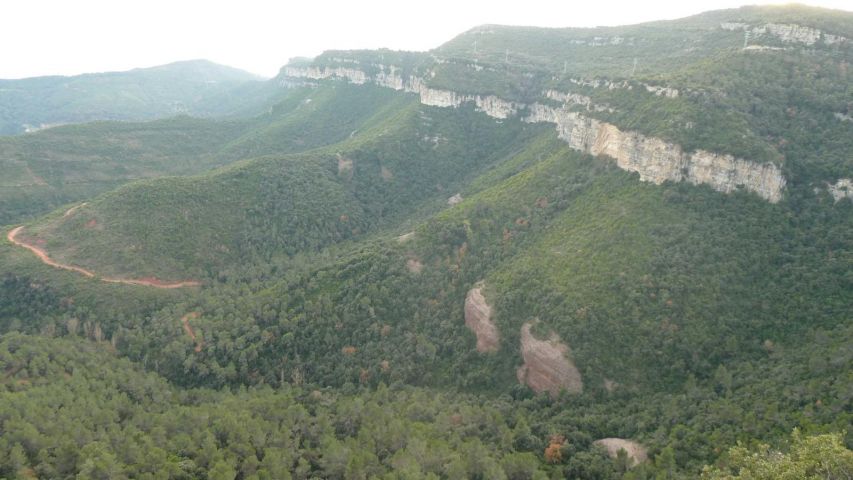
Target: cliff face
pixel 787 32
pixel 654 159
pixel 658 161
pixel 389 78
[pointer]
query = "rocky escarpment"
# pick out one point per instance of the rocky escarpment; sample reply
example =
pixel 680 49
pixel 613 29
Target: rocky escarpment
pixel 547 367
pixel 568 98
pixel 787 32
pixel 604 41
pixel 654 159
pixel 389 77
pixel 658 161
pixel 478 319
pixel 658 90
pixel 637 453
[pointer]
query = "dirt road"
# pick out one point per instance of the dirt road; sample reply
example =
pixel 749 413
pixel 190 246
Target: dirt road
pixel 185 320
pixel 43 256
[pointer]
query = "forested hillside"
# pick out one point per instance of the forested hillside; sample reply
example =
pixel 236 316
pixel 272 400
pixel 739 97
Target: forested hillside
pixel 197 86
pixel 53 167
pixel 558 253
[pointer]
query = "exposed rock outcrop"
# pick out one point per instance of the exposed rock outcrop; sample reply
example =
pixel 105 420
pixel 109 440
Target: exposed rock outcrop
pixel 786 32
pixel 570 98
pixel 414 265
pixel 478 318
pixel 603 41
pixel 761 48
pixel 658 161
pixel 841 189
pixel 602 83
pixel 455 199
pixel 547 367
pixel 654 159
pixel 661 91
pixel 353 75
pixel 637 453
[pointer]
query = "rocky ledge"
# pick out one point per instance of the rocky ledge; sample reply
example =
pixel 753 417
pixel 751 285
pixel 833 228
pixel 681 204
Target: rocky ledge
pixel 654 159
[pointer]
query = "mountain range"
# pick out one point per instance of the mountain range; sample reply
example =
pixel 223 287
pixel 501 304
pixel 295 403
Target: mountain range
pixel 617 252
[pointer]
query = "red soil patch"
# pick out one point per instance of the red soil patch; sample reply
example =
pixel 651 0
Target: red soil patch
pixel 92 223
pixel 185 320
pixel 478 319
pixel 71 210
pixel 43 256
pixel 547 366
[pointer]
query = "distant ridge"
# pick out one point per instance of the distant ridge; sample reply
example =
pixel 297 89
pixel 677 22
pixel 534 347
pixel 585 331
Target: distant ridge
pixel 193 86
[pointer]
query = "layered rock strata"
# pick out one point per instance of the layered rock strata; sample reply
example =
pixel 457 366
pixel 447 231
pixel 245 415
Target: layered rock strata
pixel 658 161
pixel 787 32
pixel 654 159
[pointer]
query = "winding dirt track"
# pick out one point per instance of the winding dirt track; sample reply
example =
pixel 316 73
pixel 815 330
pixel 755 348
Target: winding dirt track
pixel 185 320
pixel 43 256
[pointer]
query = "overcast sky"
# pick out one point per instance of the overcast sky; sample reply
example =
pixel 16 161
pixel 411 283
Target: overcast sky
pixel 40 37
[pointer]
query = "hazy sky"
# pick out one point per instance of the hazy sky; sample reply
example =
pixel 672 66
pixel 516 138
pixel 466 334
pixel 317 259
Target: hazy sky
pixel 39 37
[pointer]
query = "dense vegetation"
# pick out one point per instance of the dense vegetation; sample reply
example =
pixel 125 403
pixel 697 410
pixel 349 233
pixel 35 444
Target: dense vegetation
pixel 328 339
pixel 198 87
pixel 48 169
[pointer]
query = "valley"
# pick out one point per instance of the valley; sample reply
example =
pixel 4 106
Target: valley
pixel 528 253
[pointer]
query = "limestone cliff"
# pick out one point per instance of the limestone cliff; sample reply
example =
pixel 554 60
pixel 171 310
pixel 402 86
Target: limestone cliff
pixel 354 75
pixel 786 32
pixel 654 159
pixel 661 91
pixel 658 161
